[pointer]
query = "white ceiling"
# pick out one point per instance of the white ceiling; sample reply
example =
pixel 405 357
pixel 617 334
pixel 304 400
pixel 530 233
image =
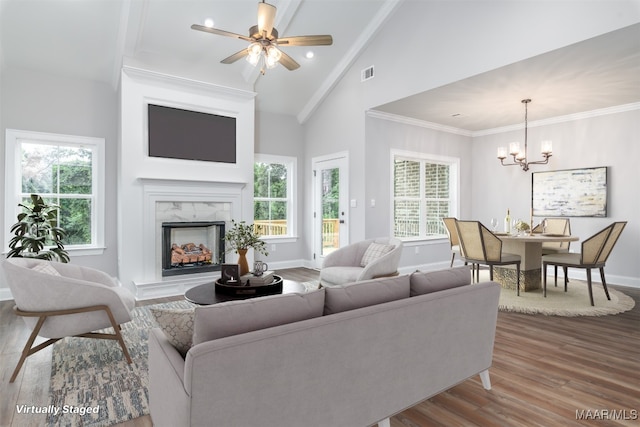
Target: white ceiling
pixel 93 38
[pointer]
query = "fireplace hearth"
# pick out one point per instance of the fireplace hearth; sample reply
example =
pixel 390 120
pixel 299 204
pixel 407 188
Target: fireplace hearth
pixel 192 247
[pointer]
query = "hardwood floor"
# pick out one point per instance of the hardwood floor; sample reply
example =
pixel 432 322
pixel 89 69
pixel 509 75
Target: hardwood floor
pixel 546 371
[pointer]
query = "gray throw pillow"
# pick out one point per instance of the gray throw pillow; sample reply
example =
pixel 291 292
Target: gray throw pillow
pixel 238 317
pixel 365 293
pixel 177 325
pixel 433 281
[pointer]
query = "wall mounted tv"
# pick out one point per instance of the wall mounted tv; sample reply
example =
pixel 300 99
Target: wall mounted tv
pixel 191 135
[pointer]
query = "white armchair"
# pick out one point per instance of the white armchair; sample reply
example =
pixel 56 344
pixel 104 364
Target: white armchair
pixel 363 260
pixel 57 300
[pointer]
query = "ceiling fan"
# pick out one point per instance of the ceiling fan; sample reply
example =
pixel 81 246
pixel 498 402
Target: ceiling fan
pixel 264 42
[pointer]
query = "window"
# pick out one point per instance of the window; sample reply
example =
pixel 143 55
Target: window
pixel 273 196
pixel 65 170
pixel 424 190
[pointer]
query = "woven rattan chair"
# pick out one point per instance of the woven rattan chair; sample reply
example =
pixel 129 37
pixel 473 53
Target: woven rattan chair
pixel 595 251
pixel 478 245
pixel 555 226
pixel 60 300
pixel 454 241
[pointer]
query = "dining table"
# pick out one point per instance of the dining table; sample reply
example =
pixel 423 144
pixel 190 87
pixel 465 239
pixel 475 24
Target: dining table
pixel 529 247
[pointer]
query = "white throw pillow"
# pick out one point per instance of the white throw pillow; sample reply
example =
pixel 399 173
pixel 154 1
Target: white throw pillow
pixel 375 251
pixel 46 268
pixel 177 325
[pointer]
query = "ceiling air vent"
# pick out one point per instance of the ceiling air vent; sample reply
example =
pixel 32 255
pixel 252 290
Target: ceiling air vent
pixel 366 74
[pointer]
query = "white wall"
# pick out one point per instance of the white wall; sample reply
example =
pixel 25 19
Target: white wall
pixel 383 136
pixel 43 102
pixel 282 135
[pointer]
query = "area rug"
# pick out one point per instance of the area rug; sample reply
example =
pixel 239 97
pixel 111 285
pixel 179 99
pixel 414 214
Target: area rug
pixel 574 302
pixel 91 373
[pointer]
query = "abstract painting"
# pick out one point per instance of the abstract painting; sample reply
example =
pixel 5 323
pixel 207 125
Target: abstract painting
pixel 570 193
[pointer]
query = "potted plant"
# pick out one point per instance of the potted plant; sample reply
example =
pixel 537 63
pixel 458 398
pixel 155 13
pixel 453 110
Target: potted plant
pixel 37 234
pixel 239 239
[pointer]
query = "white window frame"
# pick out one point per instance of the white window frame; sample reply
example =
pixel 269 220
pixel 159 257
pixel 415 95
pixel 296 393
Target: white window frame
pixel 13 181
pixel 454 188
pixel 292 208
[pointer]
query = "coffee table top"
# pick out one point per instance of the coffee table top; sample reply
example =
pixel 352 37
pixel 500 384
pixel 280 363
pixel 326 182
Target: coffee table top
pixel 206 294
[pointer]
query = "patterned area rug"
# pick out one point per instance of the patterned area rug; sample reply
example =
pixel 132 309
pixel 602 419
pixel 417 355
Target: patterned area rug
pixel 89 373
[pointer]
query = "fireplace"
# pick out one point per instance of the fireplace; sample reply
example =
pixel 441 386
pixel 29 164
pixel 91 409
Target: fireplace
pixel 192 247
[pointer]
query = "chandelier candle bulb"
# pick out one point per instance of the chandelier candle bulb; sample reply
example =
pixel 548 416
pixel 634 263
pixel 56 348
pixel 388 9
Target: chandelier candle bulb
pixel 514 148
pixel 547 147
pixel 502 153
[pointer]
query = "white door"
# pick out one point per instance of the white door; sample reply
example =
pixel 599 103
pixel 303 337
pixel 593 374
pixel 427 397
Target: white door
pixel 330 212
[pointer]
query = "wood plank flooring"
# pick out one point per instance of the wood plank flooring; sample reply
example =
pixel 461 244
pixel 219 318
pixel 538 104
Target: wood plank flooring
pixel 545 371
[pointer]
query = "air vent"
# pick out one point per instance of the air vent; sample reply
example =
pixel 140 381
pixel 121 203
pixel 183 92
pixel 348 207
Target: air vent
pixel 367 74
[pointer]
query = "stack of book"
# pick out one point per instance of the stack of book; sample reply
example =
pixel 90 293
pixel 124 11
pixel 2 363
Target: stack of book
pixel 265 279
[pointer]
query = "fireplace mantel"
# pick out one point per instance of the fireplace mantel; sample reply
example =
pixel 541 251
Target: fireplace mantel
pixel 155 191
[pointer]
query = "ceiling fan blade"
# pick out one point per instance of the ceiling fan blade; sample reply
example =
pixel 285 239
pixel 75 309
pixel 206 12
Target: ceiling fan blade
pixel 288 62
pixel 319 40
pixel 266 17
pixel 233 58
pixel 220 32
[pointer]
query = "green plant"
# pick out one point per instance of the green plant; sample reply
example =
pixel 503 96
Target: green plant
pixel 243 236
pixel 37 229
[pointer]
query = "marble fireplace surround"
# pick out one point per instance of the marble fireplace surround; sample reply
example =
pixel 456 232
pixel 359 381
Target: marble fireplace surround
pixel 173 201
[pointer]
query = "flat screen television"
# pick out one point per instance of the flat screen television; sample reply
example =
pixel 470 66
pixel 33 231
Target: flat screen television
pixel 191 135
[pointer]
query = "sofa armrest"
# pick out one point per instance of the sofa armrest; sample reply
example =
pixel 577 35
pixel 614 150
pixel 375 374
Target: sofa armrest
pixel 169 402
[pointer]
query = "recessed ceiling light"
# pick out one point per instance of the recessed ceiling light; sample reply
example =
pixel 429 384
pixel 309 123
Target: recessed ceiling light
pixel 309 55
pixel 208 23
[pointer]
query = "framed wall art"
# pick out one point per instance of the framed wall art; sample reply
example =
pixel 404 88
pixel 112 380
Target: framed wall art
pixel 570 193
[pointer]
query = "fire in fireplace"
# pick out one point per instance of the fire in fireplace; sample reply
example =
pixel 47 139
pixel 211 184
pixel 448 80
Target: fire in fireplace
pixel 192 247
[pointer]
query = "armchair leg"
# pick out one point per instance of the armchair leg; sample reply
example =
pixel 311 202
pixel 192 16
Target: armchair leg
pixel 518 281
pixel 42 316
pixel 604 283
pixel 555 271
pixel 565 270
pixel 453 256
pixel 28 350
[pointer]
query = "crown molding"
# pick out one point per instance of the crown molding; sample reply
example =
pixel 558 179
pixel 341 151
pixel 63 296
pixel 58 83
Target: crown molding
pixel 182 82
pixel 417 122
pixel 552 120
pixel 562 119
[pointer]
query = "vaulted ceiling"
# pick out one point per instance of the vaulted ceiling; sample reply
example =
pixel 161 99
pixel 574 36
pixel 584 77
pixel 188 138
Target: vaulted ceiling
pixel 92 39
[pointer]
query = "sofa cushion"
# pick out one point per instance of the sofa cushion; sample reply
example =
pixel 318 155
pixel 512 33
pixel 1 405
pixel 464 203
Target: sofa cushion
pixel 365 293
pixel 433 281
pixel 177 325
pixel 375 251
pixel 238 317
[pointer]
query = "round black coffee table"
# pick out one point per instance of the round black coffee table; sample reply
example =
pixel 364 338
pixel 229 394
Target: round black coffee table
pixel 206 294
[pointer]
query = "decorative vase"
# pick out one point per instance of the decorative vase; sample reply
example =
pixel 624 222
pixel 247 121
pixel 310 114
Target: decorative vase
pixel 242 260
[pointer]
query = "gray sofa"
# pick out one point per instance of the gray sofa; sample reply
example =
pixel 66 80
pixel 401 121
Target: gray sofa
pixel 364 352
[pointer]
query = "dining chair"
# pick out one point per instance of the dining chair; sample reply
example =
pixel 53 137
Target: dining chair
pixel 454 241
pixel 478 245
pixel 594 253
pixel 554 226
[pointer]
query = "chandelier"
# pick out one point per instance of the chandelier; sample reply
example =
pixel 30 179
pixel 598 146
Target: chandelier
pixel 520 156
